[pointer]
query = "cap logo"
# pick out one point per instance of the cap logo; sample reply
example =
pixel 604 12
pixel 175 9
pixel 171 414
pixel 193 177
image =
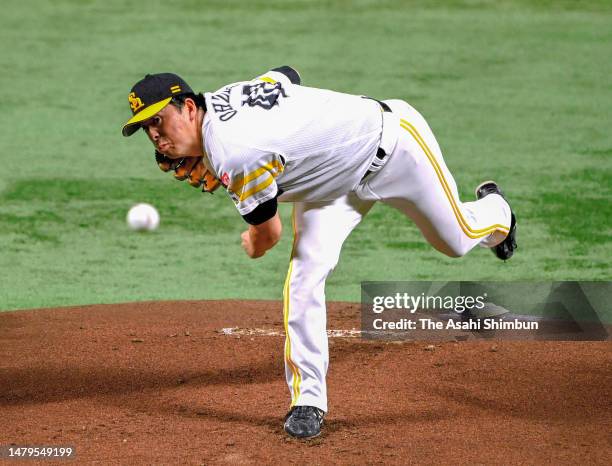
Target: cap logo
pixel 175 89
pixel 135 102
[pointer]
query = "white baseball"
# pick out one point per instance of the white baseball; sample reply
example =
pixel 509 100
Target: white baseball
pixel 143 217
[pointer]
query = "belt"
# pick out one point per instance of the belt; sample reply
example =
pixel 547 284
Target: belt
pixel 381 155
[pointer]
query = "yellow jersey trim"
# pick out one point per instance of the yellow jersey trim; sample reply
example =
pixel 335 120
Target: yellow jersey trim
pixel 274 168
pixel 240 182
pixel 255 189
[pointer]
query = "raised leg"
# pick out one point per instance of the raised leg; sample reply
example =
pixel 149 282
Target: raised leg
pixel 416 181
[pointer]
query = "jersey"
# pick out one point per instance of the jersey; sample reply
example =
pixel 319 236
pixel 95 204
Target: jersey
pixel 271 137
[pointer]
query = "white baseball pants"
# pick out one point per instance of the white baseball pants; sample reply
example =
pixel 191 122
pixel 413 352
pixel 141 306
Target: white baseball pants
pixel 416 181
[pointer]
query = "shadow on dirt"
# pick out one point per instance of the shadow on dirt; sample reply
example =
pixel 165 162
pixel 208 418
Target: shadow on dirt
pixel 332 424
pixel 22 386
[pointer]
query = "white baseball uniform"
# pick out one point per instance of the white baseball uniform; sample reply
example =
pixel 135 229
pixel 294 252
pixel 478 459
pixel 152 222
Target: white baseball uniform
pixel 271 137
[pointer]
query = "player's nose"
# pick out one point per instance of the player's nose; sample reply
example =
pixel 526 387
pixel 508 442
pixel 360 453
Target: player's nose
pixel 153 134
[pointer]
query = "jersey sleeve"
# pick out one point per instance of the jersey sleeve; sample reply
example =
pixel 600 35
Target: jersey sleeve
pixel 251 179
pixel 286 75
pixel 262 212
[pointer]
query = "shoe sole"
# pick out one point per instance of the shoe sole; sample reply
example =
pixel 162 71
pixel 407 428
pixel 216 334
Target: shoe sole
pixel 512 213
pixel 511 232
pixel 303 438
pixel 482 184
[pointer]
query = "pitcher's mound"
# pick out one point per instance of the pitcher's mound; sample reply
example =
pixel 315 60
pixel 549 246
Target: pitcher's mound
pixel 164 383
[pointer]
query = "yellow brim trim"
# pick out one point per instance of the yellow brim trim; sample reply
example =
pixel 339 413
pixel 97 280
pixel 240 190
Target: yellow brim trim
pixel 146 114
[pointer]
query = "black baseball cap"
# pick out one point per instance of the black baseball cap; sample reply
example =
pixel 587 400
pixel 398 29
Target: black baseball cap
pixel 150 95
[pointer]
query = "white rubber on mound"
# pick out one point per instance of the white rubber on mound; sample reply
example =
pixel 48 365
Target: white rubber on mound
pixel 264 332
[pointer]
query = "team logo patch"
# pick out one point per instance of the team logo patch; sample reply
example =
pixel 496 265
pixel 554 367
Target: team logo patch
pixel 225 180
pixel 135 102
pixel 265 95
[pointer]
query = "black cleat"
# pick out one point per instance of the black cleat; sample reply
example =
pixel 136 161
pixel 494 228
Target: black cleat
pixel 505 249
pixel 304 422
pixel 486 188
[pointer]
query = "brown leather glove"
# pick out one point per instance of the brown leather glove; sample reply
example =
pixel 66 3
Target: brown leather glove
pixel 191 169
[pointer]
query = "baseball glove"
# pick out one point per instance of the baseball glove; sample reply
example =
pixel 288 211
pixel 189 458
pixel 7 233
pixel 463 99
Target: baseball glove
pixel 191 169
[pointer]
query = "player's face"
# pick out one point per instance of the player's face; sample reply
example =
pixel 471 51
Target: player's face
pixel 170 132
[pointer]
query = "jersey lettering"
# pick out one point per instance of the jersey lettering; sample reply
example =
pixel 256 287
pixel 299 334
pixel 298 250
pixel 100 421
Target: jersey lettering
pixel 221 104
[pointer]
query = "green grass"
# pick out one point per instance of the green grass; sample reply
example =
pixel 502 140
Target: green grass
pixel 518 91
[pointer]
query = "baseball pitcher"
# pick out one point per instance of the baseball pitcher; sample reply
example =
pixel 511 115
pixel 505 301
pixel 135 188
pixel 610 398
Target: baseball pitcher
pixel 333 155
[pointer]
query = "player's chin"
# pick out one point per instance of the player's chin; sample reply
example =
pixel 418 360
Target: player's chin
pixel 170 152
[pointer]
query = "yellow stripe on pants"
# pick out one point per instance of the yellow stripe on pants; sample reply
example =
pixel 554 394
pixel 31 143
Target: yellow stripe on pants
pixel 469 231
pixel 297 377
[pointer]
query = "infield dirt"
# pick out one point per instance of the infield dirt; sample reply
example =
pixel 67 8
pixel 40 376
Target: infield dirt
pixel 160 383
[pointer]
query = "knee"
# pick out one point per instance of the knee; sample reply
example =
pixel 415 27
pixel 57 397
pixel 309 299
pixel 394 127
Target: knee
pixel 315 258
pixel 312 269
pixel 453 250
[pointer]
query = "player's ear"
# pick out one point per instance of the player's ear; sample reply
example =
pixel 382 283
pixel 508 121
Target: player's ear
pixel 192 108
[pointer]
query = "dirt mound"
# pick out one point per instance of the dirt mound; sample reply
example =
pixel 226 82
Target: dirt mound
pixel 161 382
